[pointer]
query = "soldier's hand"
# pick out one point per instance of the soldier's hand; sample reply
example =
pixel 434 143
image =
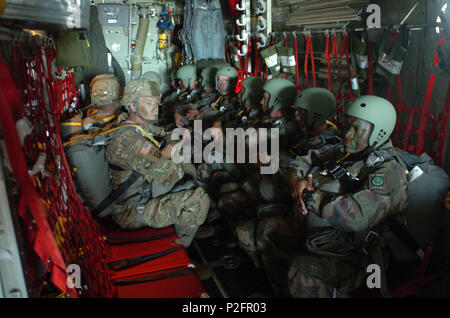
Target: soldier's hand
pixel 192 114
pixel 298 186
pixel 166 152
pixel 178 120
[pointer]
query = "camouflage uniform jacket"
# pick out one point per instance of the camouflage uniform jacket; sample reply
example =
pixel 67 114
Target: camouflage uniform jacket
pixel 287 127
pixel 220 109
pixel 131 151
pixel 304 141
pixel 381 191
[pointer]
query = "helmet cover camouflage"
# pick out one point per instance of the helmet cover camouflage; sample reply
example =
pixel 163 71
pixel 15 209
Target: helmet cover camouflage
pixel 105 89
pixel 140 88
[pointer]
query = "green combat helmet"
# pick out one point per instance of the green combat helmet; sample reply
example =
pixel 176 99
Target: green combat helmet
pixel 188 74
pixel 320 104
pixel 139 88
pixel 208 77
pixel 252 90
pixel 378 111
pixel 281 93
pixel 105 89
pixel 231 73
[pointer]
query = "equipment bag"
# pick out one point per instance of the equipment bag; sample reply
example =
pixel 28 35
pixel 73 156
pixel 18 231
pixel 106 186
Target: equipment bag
pixel 272 59
pixel 360 60
pixel 392 53
pixel 287 59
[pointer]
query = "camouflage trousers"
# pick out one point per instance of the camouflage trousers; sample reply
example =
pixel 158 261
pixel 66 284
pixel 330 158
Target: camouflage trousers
pixel 271 243
pixel 314 276
pixel 280 244
pixel 187 210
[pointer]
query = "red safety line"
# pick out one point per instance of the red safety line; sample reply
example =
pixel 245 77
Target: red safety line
pixel 297 75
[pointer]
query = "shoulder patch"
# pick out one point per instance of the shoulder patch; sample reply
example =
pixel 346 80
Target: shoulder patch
pixel 146 147
pixel 376 181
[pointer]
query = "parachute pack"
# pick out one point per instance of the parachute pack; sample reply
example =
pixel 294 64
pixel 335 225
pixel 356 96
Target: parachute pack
pixel 203 32
pixel 427 188
pixel 86 154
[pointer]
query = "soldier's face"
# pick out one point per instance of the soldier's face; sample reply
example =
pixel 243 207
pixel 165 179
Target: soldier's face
pixel 148 107
pixel 357 134
pixel 224 84
pixel 265 101
pixel 301 116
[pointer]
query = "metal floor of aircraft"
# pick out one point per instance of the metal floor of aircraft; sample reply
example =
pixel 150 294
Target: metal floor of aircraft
pixel 233 273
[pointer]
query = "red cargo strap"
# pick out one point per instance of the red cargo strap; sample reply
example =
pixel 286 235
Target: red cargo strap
pixel 297 75
pixel 309 50
pixel 425 108
pixel 328 58
pixel 44 244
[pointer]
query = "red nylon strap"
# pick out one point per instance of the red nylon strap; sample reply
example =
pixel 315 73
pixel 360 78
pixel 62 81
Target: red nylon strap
pixel 297 75
pixel 310 51
pixel 423 122
pixel 44 244
pixel 370 75
pixel 306 60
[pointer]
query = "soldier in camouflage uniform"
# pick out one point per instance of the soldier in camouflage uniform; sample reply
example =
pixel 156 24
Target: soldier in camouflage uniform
pixel 251 113
pixel 339 207
pixel 225 103
pixel 260 192
pixel 104 108
pixel 314 108
pixel 165 192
